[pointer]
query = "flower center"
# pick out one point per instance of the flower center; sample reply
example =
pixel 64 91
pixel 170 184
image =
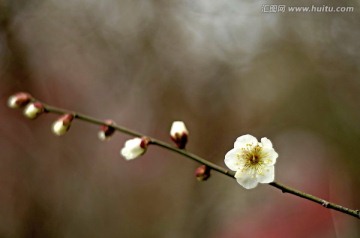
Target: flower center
pixel 254 159
pixel 253 155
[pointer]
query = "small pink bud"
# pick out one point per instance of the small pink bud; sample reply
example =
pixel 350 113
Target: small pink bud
pixel 202 173
pixel 106 131
pixel 179 134
pixel 19 100
pixel 33 110
pixel 62 124
pixel 145 141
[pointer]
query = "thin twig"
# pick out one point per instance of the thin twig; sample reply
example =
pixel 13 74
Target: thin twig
pixel 283 188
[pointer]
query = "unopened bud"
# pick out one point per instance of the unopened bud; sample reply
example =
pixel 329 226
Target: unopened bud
pixel 202 173
pixel 33 110
pixel 179 134
pixel 62 125
pixel 134 148
pixel 19 100
pixel 145 141
pixel 106 131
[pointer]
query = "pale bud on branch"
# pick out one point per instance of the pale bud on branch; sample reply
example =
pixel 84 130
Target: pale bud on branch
pixel 19 100
pixel 62 125
pixel 106 131
pixel 179 134
pixel 134 148
pixel 202 173
pixel 33 110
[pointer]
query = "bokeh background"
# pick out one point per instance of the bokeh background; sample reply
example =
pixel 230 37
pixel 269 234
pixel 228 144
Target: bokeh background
pixel 223 67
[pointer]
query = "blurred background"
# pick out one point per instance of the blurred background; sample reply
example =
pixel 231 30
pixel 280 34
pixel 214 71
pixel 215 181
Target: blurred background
pixel 226 69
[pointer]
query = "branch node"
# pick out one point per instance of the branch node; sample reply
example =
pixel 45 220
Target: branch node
pixel 358 213
pixel 325 203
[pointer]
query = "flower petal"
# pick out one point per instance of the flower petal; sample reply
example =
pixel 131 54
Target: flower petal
pixel 266 143
pixel 245 179
pixel 178 127
pixel 242 141
pixel 133 142
pixel 132 149
pixel 133 153
pixel 270 156
pixel 268 175
pixel 231 159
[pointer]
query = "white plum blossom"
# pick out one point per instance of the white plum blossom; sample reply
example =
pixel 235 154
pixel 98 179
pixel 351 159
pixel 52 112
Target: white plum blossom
pixel 134 148
pixel 179 134
pixel 253 161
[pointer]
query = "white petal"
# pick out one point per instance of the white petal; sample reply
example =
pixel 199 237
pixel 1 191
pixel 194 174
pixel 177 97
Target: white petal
pixel 231 160
pixel 178 127
pixel 12 102
pixel 31 111
pixel 127 154
pixel 270 156
pixel 132 149
pixel 130 154
pixel 133 143
pixel 59 128
pixel 266 143
pixel 268 175
pixel 242 141
pixel 246 180
pixel 102 136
